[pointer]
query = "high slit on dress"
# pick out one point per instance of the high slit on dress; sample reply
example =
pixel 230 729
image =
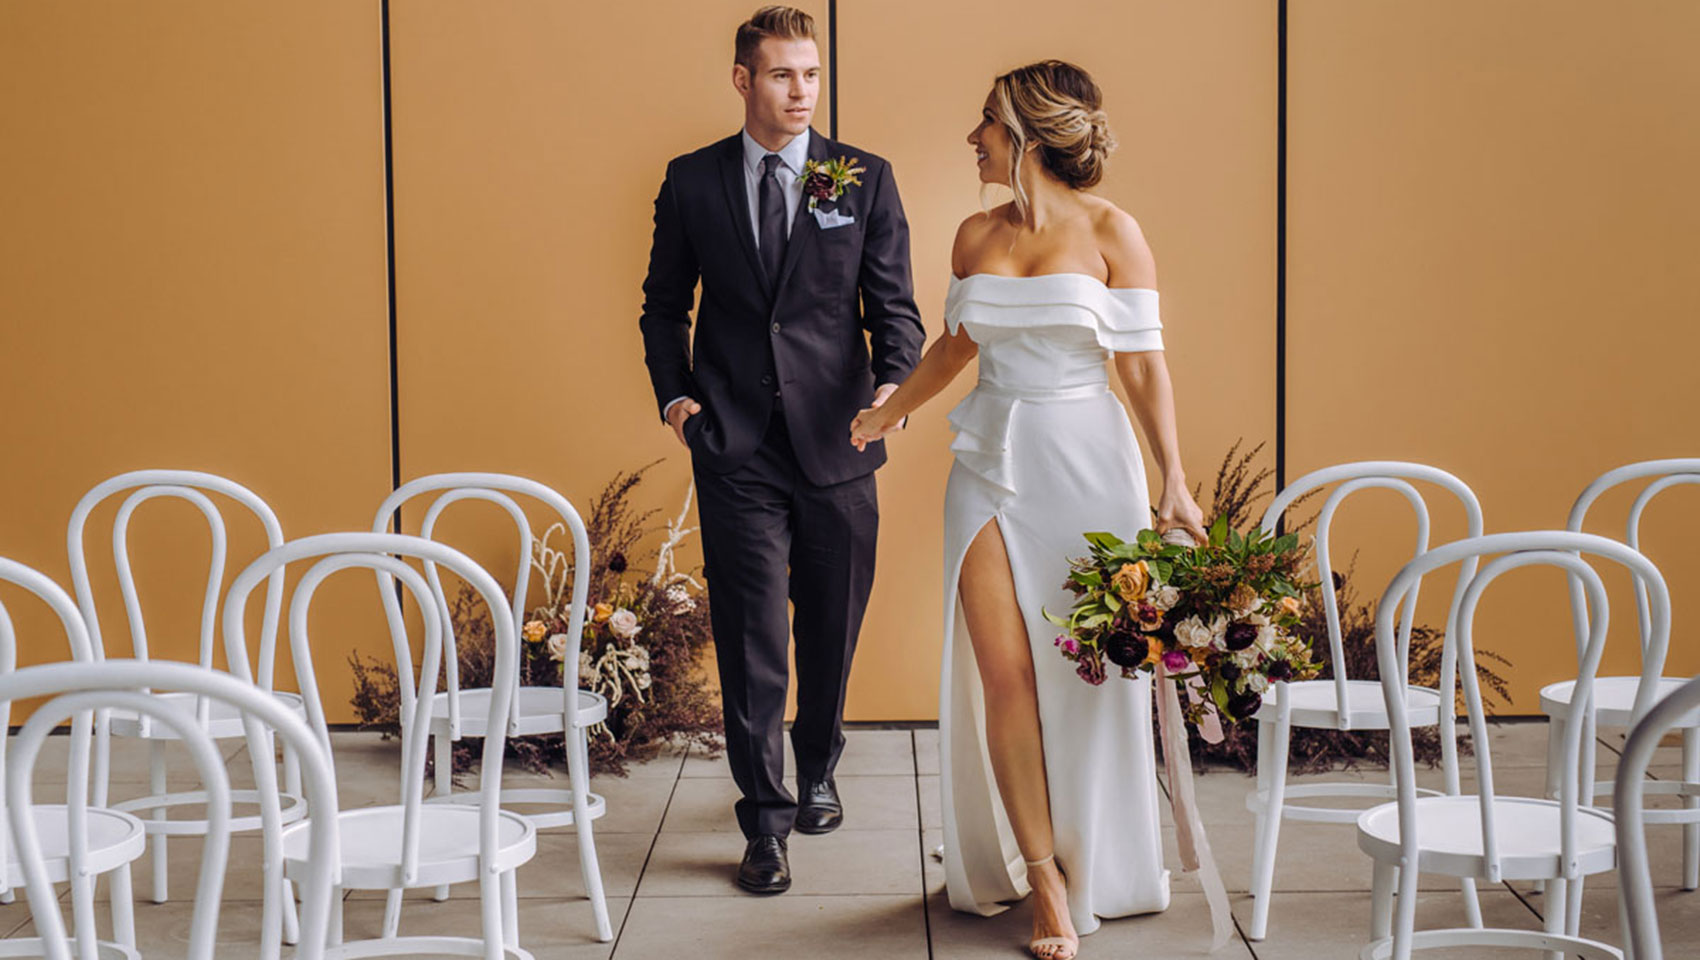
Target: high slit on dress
pixel 1046 450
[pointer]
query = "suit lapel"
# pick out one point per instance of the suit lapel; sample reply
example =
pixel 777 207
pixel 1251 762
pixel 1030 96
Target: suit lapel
pixel 738 207
pixel 803 225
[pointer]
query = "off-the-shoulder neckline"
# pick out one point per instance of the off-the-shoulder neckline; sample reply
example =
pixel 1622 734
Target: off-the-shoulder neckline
pixel 1046 276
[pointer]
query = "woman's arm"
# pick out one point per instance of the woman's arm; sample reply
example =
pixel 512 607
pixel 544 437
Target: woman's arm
pixel 938 367
pixel 1145 377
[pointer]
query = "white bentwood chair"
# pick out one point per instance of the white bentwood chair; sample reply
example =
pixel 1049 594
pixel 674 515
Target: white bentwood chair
pixel 562 708
pixel 111 839
pixel 409 844
pixel 1635 881
pixel 1491 837
pixel 1342 703
pixel 76 691
pixel 218 719
pixel 1615 697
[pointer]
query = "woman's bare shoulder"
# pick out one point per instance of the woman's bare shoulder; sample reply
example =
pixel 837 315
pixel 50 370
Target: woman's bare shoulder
pixel 973 235
pixel 1122 244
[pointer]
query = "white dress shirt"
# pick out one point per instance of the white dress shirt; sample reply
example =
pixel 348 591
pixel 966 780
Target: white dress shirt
pixel 790 175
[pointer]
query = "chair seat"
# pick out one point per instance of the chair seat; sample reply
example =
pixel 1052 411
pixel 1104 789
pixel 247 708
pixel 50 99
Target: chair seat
pixel 115 839
pixel 224 723
pixel 1314 703
pixel 541 710
pixel 1449 836
pixel 371 839
pixel 1614 700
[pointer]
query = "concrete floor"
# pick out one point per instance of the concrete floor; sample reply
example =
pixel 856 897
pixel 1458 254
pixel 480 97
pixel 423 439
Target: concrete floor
pixel 669 847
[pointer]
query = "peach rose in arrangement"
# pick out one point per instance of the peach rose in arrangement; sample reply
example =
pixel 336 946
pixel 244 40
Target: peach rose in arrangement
pixel 1290 605
pixel 533 631
pixel 624 624
pixel 1131 581
pixel 601 613
pixel 558 647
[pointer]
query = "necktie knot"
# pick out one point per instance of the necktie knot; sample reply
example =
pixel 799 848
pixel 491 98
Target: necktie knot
pixel 770 165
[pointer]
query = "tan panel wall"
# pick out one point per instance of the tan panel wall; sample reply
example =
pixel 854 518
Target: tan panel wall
pixel 1492 212
pixel 530 140
pixel 1190 90
pixel 191 276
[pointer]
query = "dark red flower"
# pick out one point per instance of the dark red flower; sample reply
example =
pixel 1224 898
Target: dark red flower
pixel 1125 648
pixel 1240 635
pixel 1090 668
pixel 1280 670
pixel 819 185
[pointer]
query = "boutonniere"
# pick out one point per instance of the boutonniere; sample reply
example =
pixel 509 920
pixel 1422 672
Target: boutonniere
pixel 828 179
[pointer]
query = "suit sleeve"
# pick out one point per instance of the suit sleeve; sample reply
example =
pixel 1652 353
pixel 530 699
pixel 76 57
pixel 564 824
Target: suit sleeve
pixel 888 296
pixel 669 293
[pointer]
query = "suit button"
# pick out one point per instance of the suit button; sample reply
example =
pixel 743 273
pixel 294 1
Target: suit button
pixel 767 380
pixel 776 328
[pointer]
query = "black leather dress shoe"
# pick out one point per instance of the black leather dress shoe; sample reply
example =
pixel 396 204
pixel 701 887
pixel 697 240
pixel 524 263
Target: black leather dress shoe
pixel 765 868
pixel 818 807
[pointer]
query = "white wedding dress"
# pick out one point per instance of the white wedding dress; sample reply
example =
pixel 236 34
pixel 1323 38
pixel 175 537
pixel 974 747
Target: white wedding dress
pixel 1046 450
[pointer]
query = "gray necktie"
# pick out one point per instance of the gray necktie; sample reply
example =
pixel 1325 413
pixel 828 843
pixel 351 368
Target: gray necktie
pixel 770 217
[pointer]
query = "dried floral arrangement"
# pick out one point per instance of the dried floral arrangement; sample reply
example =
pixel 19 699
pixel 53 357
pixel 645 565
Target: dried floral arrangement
pixel 644 639
pixel 1238 490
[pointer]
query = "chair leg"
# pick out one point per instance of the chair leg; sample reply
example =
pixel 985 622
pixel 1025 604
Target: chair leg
pixel 1573 907
pixel 1472 904
pixel 1691 831
pixel 156 783
pixel 82 917
pixel 291 917
pixel 1404 914
pixel 333 937
pixel 490 911
pixel 123 906
pixel 443 776
pixel 392 913
pixel 1381 900
pixel 1553 912
pixel 510 909
pixel 590 868
pixel 1263 859
pixel 8 896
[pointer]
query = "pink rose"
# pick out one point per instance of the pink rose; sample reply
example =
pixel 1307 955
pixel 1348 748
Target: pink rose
pixel 1176 660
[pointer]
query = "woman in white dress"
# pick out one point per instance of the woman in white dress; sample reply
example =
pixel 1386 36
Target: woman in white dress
pixel 1045 291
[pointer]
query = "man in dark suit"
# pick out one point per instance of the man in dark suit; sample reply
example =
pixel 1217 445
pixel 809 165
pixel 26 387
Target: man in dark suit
pixel 800 276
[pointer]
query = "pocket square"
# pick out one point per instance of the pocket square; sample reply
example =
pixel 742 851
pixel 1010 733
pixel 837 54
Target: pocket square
pixel 828 219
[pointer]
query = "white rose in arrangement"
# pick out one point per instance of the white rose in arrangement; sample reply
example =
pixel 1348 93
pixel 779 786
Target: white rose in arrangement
pixel 558 647
pixel 1192 632
pixel 1248 658
pixel 1164 598
pixel 1219 632
pixel 1267 638
pixel 624 624
pixel 1256 682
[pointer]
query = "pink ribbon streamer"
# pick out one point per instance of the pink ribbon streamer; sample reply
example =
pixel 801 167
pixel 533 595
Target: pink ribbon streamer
pixel 1189 827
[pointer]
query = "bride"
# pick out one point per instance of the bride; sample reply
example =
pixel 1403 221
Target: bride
pixel 1045 291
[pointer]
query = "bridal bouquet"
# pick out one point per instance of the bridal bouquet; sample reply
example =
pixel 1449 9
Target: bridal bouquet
pixel 1218 617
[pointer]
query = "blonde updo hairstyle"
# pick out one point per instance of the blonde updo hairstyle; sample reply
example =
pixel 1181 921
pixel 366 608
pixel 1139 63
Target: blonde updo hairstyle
pixel 1058 108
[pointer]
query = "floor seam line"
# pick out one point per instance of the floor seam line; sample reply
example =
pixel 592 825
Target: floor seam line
pixel 654 840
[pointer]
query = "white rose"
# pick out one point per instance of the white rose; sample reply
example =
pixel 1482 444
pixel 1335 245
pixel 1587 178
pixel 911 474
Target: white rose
pixel 558 647
pixel 1192 632
pixel 624 624
pixel 1256 682
pixel 1164 598
pixel 1248 658
pixel 1266 637
pixel 1219 632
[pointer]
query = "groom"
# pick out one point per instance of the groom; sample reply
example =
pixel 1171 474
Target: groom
pixel 791 278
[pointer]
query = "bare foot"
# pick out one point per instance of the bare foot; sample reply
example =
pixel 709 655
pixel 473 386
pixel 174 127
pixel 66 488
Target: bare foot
pixel 1053 930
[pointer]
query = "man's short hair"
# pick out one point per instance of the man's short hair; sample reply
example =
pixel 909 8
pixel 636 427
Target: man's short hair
pixel 781 23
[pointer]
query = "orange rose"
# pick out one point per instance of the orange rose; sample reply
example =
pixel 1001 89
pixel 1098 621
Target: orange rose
pixel 534 630
pixel 1153 650
pixel 1290 605
pixel 601 613
pixel 1131 581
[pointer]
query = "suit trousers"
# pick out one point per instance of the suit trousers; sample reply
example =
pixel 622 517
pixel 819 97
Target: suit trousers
pixel 770 536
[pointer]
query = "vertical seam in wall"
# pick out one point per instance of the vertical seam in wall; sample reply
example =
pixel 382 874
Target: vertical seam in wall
pixel 1281 245
pixel 389 260
pixel 832 67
